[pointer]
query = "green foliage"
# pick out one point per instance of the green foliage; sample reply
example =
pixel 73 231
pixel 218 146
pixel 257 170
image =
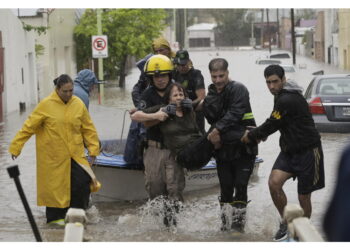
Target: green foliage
pixel 39 29
pixel 39 50
pixel 82 37
pixel 130 33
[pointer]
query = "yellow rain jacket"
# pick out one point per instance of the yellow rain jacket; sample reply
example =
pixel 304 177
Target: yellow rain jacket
pixel 61 131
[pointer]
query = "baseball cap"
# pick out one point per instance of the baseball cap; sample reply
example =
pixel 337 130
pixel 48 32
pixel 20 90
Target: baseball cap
pixel 181 57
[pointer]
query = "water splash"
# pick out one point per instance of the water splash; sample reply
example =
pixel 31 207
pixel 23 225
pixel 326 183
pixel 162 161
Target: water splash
pixel 160 213
pixel 93 215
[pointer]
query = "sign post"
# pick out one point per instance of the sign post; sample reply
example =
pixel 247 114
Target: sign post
pixel 99 47
pixel 100 51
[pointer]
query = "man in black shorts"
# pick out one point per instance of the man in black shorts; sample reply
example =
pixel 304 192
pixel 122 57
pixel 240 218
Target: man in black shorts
pixel 301 153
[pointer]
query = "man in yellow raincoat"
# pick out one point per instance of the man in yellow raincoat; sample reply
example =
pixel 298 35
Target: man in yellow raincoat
pixel 62 126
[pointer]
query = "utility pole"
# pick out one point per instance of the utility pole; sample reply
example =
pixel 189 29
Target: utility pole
pixel 262 28
pixel 100 60
pixel 252 41
pixel 185 30
pixel 174 14
pixel 180 29
pixel 268 29
pixel 293 34
pixel 278 29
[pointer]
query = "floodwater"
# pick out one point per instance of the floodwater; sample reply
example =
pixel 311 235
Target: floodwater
pixel 199 220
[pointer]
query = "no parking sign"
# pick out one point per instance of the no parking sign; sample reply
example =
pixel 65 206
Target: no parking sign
pixel 99 46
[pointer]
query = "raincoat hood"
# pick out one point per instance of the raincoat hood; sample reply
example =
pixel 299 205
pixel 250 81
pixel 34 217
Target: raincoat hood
pixel 85 78
pixel 293 86
pixel 162 42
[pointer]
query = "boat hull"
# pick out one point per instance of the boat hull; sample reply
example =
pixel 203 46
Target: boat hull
pixel 129 184
pixel 122 181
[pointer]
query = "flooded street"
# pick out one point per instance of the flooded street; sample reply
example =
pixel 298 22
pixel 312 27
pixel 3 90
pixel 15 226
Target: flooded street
pixel 199 220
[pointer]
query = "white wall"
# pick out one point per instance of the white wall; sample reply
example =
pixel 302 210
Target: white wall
pixel 331 38
pixel 19 56
pixel 62 46
pixel 335 59
pixel 59 47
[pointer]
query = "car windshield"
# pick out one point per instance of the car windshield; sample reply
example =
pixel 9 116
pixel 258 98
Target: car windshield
pixel 334 86
pixel 280 55
pixel 267 61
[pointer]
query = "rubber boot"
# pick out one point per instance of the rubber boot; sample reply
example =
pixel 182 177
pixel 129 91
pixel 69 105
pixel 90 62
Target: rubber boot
pixel 171 208
pixel 238 215
pixel 225 214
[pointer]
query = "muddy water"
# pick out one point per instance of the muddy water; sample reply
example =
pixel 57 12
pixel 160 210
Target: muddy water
pixel 199 219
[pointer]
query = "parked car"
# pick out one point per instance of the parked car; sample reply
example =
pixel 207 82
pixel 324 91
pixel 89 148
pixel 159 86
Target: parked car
pixel 288 68
pixel 280 55
pixel 328 97
pixel 267 61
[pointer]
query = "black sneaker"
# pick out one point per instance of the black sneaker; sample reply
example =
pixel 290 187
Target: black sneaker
pixel 281 233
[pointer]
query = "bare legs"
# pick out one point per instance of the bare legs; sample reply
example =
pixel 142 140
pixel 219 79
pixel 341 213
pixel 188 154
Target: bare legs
pixel 305 203
pixel 276 181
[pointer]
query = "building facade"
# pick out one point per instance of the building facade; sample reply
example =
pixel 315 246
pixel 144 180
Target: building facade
pixel 344 38
pixel 201 35
pixel 58 45
pixel 18 79
pixel 331 29
pixel 319 39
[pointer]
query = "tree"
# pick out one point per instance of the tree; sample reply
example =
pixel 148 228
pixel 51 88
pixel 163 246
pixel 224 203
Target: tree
pixel 86 28
pixel 232 28
pixel 130 33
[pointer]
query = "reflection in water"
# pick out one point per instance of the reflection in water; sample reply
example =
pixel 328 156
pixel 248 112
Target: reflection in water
pixel 199 219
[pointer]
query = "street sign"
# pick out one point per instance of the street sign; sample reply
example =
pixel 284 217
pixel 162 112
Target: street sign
pixel 99 46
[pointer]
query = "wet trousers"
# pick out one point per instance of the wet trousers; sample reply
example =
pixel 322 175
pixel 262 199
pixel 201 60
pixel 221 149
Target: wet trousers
pixel 163 176
pixel 80 193
pixel 234 177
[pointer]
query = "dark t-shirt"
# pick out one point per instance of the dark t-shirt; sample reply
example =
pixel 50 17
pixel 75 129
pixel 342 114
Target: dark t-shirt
pixel 191 81
pixel 150 98
pixel 179 131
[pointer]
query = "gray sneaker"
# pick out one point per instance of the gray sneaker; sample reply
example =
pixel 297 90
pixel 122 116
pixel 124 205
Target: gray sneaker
pixel 281 233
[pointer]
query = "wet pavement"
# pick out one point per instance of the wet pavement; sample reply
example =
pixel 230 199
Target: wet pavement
pixel 199 219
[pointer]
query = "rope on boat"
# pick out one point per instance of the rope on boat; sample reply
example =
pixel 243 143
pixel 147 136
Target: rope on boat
pixel 121 135
pixel 119 145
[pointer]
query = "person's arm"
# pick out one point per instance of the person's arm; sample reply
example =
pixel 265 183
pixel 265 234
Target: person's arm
pixel 200 97
pixel 138 88
pixel 30 126
pixel 141 116
pixel 273 123
pixel 214 138
pixel 199 89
